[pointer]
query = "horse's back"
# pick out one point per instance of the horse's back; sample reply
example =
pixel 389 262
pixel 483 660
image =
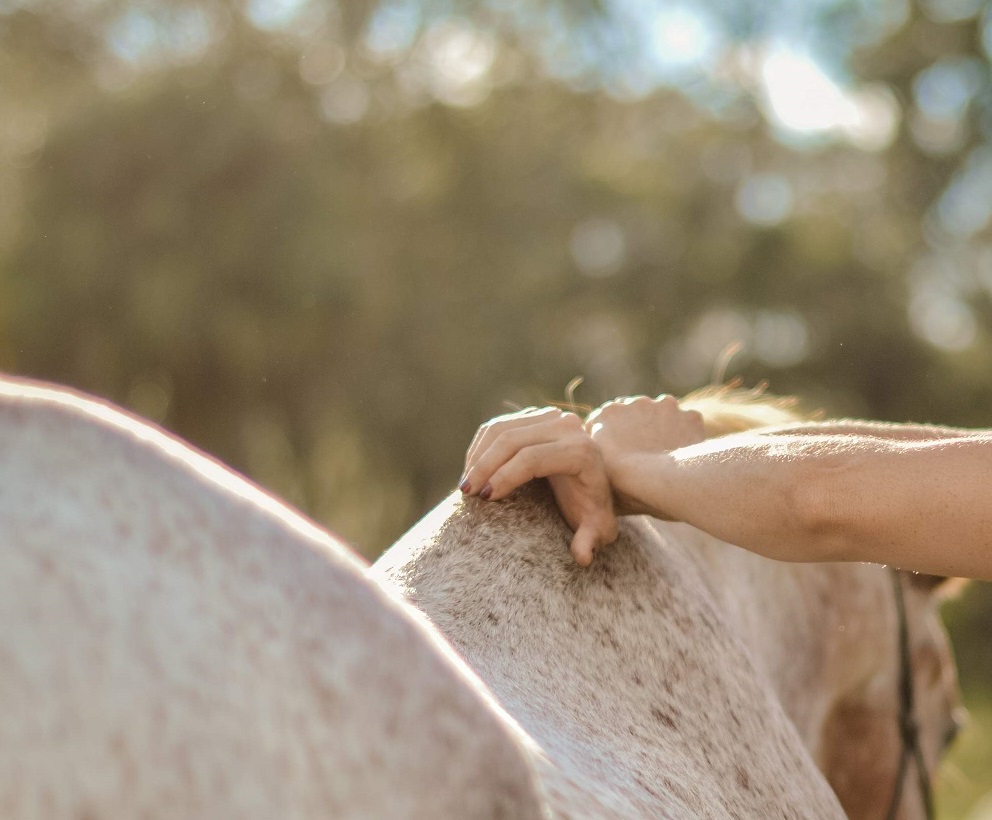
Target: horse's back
pixel 174 643
pixel 626 674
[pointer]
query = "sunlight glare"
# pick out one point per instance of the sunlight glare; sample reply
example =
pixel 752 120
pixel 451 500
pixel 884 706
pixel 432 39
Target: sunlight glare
pixel 800 97
pixel 876 117
pixel 274 14
pixel 459 60
pixel 682 38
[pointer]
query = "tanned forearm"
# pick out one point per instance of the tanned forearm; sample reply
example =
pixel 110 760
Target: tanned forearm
pixel 871 429
pixel 918 498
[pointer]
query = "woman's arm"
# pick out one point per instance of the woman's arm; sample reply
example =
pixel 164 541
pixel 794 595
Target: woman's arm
pixel 914 496
pixel 874 429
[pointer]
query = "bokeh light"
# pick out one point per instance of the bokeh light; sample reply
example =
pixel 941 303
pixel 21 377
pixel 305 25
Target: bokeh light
pixel 765 199
pixel 325 239
pixel 598 247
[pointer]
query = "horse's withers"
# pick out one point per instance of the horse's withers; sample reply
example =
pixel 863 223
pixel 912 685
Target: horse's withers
pixel 627 674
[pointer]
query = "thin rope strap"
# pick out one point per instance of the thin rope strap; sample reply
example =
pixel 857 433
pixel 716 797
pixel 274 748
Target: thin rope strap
pixel 909 730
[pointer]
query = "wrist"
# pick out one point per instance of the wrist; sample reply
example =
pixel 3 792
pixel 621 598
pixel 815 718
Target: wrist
pixel 636 480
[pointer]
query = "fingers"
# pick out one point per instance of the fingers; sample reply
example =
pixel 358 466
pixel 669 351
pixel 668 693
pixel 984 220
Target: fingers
pixel 548 443
pixel 500 476
pixel 584 543
pixel 664 402
pixel 645 424
pixel 590 536
pixel 492 428
pixel 501 441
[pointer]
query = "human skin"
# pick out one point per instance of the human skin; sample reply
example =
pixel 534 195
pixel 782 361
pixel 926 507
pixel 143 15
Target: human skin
pixel 913 496
pixel 510 450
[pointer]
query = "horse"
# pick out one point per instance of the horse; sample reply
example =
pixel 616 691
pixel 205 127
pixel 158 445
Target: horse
pixel 176 643
pixel 680 676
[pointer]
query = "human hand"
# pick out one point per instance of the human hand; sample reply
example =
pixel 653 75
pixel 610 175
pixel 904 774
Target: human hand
pixel 636 426
pixel 510 450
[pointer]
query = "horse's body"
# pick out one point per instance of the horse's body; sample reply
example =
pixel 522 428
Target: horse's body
pixel 680 676
pixel 175 643
pixel 628 674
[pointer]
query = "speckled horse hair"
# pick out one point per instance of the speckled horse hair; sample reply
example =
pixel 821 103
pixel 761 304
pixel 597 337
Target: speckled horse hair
pixel 678 676
pixel 175 643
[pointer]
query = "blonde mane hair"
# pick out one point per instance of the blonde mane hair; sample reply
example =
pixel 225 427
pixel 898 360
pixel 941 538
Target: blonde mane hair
pixel 729 408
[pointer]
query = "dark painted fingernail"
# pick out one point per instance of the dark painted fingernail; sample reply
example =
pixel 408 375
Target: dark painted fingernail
pixel 485 492
pixel 465 486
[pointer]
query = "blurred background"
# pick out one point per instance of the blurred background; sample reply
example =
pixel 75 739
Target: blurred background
pixel 324 240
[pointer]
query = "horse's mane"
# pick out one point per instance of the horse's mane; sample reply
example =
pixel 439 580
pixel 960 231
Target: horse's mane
pixel 730 408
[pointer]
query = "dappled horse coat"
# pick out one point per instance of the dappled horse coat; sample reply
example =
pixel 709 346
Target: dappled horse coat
pixel 680 676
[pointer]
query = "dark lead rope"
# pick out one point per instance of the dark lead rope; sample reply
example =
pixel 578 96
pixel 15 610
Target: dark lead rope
pixel 909 729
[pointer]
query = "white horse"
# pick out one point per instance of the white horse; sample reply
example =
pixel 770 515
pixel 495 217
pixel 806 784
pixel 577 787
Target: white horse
pixel 681 676
pixel 176 643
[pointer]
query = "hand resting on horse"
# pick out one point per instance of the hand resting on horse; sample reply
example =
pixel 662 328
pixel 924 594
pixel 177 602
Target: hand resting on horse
pixel 913 496
pixel 535 443
pixel 546 443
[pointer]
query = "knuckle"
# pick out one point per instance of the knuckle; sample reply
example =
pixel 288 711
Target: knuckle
pixel 490 426
pixel 507 435
pixel 499 440
pixel 581 447
pixel 586 446
pixel 611 408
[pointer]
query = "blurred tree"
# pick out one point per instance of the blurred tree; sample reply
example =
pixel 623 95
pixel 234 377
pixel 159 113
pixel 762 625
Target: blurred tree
pixel 205 197
pixel 323 241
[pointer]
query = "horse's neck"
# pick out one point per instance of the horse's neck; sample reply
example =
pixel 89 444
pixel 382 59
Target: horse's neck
pixel 790 616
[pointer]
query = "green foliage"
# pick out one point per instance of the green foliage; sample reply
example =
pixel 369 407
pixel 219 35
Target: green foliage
pixel 324 241
pixel 963 783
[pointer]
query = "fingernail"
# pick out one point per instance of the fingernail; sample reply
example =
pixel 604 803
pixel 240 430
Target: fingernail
pixel 465 486
pixel 485 492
